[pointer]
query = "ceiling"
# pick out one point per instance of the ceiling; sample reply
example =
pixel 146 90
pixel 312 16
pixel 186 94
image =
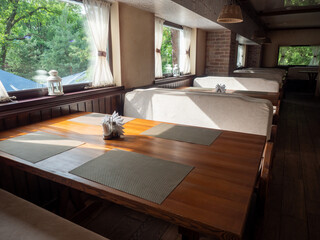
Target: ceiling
pixel 285 14
pixel 173 12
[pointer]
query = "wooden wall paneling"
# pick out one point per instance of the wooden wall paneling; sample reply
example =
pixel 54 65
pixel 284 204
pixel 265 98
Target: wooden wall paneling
pixel 108 104
pixel 46 114
pixel 56 112
pixel 95 103
pixel 65 109
pixel 45 191
pixel 20 183
pixel 114 104
pixel 11 122
pixel 81 106
pixel 89 107
pixel 33 188
pixel 119 104
pixel 102 105
pixel 2 126
pixel 7 178
pixel 73 107
pixel 35 116
pixel 23 119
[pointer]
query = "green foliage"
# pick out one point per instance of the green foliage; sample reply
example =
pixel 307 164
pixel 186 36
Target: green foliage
pixel 42 34
pixel 301 2
pixel 166 49
pixel 295 55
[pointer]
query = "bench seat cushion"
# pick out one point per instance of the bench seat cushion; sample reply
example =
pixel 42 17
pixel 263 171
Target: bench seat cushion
pixel 23 220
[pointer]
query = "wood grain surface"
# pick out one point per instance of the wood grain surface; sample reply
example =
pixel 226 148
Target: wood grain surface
pixel 214 198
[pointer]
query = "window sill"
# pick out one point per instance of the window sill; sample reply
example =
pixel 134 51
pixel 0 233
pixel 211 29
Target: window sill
pixel 38 103
pixel 172 79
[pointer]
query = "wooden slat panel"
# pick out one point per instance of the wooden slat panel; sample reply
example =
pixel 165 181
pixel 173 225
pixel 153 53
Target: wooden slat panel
pixel 11 122
pixel 102 105
pixel 108 104
pixel 95 103
pixel 33 188
pixel 20 183
pixel 23 119
pixel 89 107
pixel 46 114
pixel 73 107
pixel 65 109
pixel 56 112
pixel 7 178
pixel 113 104
pixel 2 126
pixel 81 106
pixel 35 116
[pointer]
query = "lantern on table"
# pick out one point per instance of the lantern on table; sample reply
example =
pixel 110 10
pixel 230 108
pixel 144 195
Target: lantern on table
pixel 54 84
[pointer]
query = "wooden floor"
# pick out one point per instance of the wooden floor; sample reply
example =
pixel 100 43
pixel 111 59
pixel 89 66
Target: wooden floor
pixel 293 206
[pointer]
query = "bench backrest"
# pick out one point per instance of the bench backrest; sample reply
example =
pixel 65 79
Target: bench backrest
pixel 238 83
pixel 266 75
pixel 219 111
pixel 266 70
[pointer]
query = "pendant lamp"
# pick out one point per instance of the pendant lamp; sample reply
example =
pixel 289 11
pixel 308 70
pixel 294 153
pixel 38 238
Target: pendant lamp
pixel 230 13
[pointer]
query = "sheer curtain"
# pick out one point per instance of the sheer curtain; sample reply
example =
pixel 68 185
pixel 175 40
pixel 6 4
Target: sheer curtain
pixel 4 97
pixel 158 32
pixel 97 13
pixel 187 41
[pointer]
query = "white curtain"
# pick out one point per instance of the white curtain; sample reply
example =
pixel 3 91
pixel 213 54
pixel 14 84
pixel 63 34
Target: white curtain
pixel 158 32
pixel 315 58
pixel 187 41
pixel 97 13
pixel 4 97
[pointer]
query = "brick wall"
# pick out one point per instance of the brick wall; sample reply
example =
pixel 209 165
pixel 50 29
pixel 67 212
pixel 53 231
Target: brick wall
pixel 253 58
pixel 220 52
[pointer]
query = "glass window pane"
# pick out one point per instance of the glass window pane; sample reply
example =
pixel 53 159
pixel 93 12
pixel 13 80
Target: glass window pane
pixel 170 49
pixel 299 55
pixel 46 35
pixel 301 3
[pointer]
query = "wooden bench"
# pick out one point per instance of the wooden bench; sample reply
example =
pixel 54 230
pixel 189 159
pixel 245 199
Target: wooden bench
pixel 20 219
pixel 211 110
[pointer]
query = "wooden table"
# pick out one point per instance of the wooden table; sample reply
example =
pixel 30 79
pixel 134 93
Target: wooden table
pixel 311 74
pixel 214 198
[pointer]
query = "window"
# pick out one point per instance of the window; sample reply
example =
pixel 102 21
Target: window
pixel 42 35
pixel 171 54
pixel 299 3
pixel 299 55
pixel 241 56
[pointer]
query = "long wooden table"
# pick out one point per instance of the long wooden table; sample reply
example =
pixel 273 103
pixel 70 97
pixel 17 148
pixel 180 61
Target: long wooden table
pixel 214 198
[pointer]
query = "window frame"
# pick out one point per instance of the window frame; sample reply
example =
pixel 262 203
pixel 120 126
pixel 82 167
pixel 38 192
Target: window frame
pixel 244 55
pixel 169 77
pixel 293 46
pixel 69 88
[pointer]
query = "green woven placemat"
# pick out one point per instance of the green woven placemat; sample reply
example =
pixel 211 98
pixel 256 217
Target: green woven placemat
pixel 181 133
pixel 137 174
pixel 37 146
pixel 95 119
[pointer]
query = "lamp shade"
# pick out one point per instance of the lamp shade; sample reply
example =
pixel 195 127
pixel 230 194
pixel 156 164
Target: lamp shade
pixel 230 14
